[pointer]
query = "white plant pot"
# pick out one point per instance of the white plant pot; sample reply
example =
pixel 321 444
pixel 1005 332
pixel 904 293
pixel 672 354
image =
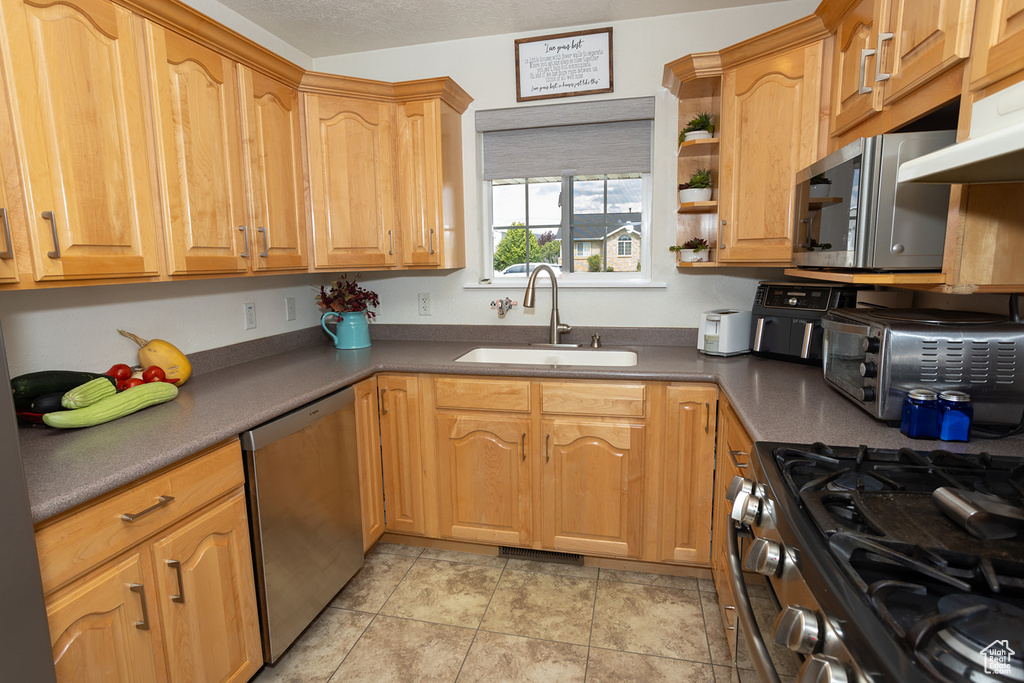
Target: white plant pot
pixel 697 194
pixel 696 135
pixel 691 256
pixel 822 190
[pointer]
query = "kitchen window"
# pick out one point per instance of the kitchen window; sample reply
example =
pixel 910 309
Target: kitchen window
pixel 569 185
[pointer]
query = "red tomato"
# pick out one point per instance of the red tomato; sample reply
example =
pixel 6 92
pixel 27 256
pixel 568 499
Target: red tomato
pixel 120 371
pixel 133 382
pixel 154 373
pixel 121 384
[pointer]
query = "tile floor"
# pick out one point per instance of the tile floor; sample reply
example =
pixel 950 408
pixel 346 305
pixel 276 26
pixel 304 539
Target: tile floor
pixel 414 614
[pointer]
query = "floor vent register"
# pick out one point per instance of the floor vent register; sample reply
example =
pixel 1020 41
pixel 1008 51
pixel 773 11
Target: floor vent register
pixel 540 555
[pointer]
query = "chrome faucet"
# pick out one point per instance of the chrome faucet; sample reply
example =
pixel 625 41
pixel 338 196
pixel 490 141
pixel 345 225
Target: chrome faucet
pixel 557 328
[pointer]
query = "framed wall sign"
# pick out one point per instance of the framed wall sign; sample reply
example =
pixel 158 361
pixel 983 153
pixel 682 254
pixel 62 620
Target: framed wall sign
pixel 564 65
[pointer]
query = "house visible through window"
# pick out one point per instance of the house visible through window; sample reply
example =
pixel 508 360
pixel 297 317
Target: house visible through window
pixel 569 187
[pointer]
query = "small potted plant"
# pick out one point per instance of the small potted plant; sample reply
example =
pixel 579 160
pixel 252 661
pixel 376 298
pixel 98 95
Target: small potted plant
pixel 820 186
pixel 691 251
pixel 699 127
pixel 698 189
pixel 350 305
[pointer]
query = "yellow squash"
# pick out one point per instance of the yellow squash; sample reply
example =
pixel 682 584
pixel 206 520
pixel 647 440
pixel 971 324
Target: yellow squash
pixel 164 355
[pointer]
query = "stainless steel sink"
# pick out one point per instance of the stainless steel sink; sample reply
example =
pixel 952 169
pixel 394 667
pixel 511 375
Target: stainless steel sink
pixel 550 356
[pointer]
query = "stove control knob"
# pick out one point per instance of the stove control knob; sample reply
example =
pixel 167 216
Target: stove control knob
pixel 798 629
pixel 746 508
pixel 737 486
pixel 823 669
pixel 765 557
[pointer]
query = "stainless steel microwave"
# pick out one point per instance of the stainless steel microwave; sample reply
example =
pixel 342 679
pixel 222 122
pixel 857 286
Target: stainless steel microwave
pixel 850 211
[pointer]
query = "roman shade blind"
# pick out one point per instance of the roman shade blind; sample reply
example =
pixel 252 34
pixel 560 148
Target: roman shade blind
pixel 608 136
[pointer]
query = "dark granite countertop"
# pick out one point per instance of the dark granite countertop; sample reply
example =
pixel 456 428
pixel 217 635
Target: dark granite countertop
pixel 777 401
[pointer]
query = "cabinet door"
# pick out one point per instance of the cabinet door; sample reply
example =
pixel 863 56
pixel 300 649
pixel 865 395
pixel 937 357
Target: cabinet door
pixel 591 487
pixel 100 628
pixel 371 477
pixel 272 142
pixel 404 456
pixel 351 182
pixel 418 175
pixel 81 136
pixel 195 105
pixel 734 448
pixel 484 486
pixel 687 491
pixel 855 33
pixel 998 41
pixel 770 114
pixel 8 262
pixel 207 597
pixel 928 38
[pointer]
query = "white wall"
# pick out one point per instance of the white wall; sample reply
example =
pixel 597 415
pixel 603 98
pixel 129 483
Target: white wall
pixel 74 328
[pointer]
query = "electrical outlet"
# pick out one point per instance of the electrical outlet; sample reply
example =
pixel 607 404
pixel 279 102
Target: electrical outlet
pixel 289 308
pixel 423 303
pixel 250 315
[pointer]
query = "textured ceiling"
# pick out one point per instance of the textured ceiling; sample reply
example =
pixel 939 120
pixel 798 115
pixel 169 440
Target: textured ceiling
pixel 320 28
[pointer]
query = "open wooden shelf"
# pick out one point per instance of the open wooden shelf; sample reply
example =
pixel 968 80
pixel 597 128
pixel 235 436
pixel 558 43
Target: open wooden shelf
pixel 696 264
pixel 858 278
pixel 697 147
pixel 698 207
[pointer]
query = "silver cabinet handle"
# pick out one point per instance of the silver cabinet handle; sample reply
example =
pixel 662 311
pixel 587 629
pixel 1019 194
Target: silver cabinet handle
pixel 9 254
pixel 430 241
pixel 864 54
pixel 805 346
pixel 266 242
pixel 882 37
pixel 141 590
pixel 736 462
pixel 245 237
pixel 160 502
pixel 522 446
pixel 391 238
pixel 176 566
pixel 48 216
pixel 383 403
pixel 547 456
pixel 707 417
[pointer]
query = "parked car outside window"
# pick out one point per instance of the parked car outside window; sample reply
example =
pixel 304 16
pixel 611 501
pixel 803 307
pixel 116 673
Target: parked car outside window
pixel 520 268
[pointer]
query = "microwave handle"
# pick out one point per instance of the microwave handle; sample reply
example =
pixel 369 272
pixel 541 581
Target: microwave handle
pixel 836 326
pixel 759 334
pixel 805 347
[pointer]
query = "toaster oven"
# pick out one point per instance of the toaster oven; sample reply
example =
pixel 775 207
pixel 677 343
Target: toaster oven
pixel 874 357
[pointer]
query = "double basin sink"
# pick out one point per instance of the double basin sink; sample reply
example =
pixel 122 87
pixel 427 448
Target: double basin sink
pixel 550 356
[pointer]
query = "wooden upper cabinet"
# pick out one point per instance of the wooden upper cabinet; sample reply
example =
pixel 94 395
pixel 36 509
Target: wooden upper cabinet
pixel 888 49
pixel 351 182
pixel 771 109
pixel 272 144
pixel 80 132
pixel 998 41
pixel 198 147
pixel 418 176
pixel 8 261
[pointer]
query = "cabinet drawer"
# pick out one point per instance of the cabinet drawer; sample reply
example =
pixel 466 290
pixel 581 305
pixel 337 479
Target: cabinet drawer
pixel 83 539
pixel 482 394
pixel 578 398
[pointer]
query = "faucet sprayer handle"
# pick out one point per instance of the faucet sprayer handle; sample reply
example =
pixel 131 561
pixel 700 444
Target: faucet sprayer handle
pixel 595 341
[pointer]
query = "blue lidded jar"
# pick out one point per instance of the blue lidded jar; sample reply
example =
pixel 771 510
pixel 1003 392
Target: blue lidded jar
pixel 956 413
pixel 921 414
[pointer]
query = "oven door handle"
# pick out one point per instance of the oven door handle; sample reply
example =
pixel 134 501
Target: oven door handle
pixel 745 613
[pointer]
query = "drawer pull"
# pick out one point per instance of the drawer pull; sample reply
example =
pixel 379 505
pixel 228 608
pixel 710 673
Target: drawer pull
pixel 48 216
pixel 735 460
pixel 176 566
pixel 141 590
pixel 160 502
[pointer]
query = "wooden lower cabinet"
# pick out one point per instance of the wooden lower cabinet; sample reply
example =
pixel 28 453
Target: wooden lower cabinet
pixel 407 461
pixel 174 600
pixel 371 477
pixel 484 478
pixel 205 594
pixel 591 487
pixel 100 627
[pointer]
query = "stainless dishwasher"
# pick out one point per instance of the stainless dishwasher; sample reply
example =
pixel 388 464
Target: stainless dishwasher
pixel 303 485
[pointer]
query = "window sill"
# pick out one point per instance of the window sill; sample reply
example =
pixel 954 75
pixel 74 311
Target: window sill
pixel 566 284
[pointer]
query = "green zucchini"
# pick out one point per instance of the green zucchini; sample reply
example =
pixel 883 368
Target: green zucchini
pixel 25 388
pixel 88 393
pixel 113 407
pixel 47 403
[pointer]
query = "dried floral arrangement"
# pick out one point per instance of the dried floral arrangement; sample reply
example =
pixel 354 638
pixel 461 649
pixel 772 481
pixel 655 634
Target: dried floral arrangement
pixel 346 296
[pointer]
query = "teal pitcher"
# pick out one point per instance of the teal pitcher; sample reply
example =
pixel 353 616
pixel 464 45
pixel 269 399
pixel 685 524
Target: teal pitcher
pixel 352 330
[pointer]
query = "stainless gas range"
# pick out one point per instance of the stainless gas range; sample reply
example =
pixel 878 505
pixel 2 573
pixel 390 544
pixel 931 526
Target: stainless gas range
pixel 888 565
